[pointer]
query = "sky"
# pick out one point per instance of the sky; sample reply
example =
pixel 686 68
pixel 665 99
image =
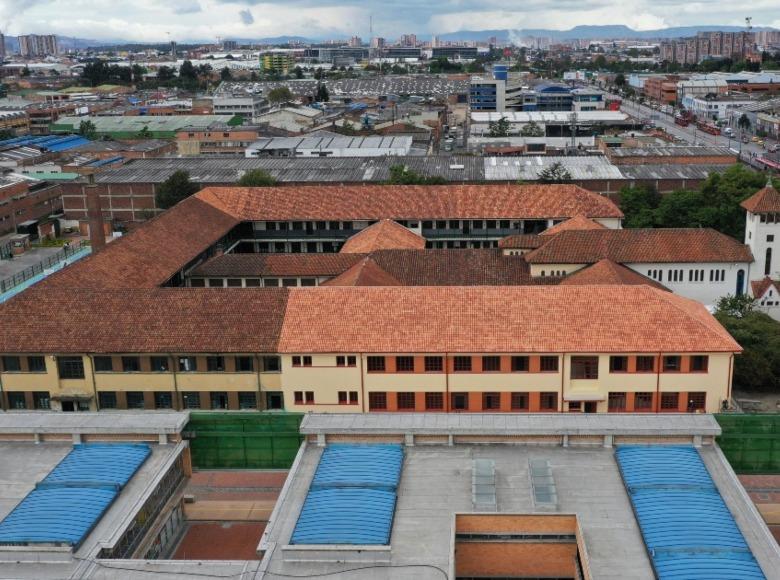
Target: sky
pixel 206 20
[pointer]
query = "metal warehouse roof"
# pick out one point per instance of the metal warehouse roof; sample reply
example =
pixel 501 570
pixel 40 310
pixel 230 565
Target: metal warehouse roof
pixel 53 143
pixel 550 117
pixel 68 503
pixel 671 171
pixel 359 466
pixel 528 168
pixel 687 528
pixel 671 151
pixel 336 142
pixel 108 124
pixel 352 496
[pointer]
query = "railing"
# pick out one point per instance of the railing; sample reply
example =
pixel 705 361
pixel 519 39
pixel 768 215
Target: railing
pixel 34 270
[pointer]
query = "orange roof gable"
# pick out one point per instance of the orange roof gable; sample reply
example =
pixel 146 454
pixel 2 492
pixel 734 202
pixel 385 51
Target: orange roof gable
pixel 364 273
pixel 765 200
pixel 578 222
pixel 608 272
pixel 383 235
pixel 759 287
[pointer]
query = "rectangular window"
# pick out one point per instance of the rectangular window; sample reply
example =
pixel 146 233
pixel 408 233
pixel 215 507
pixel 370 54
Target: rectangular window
pixel 342 397
pixel 672 364
pixel 341 361
pixel 70 367
pixel 643 401
pixel 272 364
pixel 159 364
pixel 353 397
pixel 104 364
pixel 460 401
pixel 244 364
pixel 36 364
pixel 670 401
pixel 520 364
pixel 434 364
pixel 548 364
pixel 616 402
pixel 188 364
pixel 16 400
pixel 585 367
pixel 12 364
pixel 163 400
pixel 298 397
pixel 618 364
pixel 247 401
pixel 296 361
pixel 377 401
pixel 135 399
pixel 434 401
pixel 215 364
pixel 107 400
pixel 645 364
pixel 700 363
pixel 306 361
pixel 491 364
pixel 697 401
pixel 309 397
pixel 219 400
pixel 131 364
pixel 191 400
pixel 375 364
pixel 41 400
pixel 404 364
pixel 548 401
pixel 462 364
pixel 519 401
pixel 491 401
pixel 406 402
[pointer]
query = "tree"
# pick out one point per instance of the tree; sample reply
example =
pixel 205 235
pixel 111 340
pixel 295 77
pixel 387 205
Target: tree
pixel 532 130
pixel 138 72
pixel 165 73
pixel 87 129
pixel 26 71
pixel 225 74
pixel 144 133
pixel 499 128
pixel 555 173
pixel 188 71
pixel 175 189
pixel 298 72
pixel 322 95
pixel 758 367
pixel 744 122
pixel 639 205
pixel 620 80
pixel 402 175
pixel 256 178
pixel 280 95
pixel 735 306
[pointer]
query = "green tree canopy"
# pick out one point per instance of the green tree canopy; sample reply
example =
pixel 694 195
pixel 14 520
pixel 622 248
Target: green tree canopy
pixel 555 173
pixel 402 175
pixel 256 178
pixel 639 205
pixel 280 95
pixel 225 74
pixel 322 95
pixel 175 189
pixel 499 128
pixel 87 129
pixel 165 73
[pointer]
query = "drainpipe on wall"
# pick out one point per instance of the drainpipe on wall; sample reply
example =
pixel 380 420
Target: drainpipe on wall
pixel 259 361
pixel 563 370
pixel 94 382
pixel 362 387
pixel 178 403
pixel 2 394
pixel 446 382
pixel 658 385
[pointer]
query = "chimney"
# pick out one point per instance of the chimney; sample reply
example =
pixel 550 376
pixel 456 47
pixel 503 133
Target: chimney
pixel 97 236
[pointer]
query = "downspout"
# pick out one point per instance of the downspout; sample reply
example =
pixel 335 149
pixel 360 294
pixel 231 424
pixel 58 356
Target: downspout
pixel 447 382
pixel 658 385
pixel 178 404
pixel 563 370
pixel 259 361
pixel 730 377
pixel 362 387
pixel 2 393
pixel 94 382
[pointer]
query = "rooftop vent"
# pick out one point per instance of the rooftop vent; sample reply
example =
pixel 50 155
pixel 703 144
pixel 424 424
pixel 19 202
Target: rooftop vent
pixel 542 483
pixel 483 485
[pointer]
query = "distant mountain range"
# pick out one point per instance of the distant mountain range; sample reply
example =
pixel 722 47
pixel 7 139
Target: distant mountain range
pixel 607 32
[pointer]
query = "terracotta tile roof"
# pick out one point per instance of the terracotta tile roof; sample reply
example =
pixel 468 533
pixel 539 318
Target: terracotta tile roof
pixel 364 273
pixel 439 267
pixel 151 254
pixel 493 319
pixel 374 202
pixel 759 287
pixel 765 200
pixel 578 222
pixel 640 245
pixel 363 319
pixel 608 272
pixel 177 320
pixel 521 241
pixel 247 265
pixel 383 235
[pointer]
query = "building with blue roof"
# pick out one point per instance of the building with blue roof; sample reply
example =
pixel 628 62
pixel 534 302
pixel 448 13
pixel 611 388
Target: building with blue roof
pixel 688 530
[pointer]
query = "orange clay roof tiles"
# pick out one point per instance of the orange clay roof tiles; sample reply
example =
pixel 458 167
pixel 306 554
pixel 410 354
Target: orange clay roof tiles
pixel 499 319
pixel 578 222
pixel 248 265
pixel 640 246
pixel 765 200
pixel 522 241
pixel 383 235
pixel 608 272
pixel 364 273
pixel 373 202
pixel 759 287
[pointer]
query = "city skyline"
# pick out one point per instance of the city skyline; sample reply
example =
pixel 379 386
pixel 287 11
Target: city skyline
pixel 201 20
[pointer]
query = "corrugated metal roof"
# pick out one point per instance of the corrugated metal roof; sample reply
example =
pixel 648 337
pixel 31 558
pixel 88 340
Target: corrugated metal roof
pixel 528 168
pixel 671 171
pixel 352 496
pixel 68 503
pixel 687 528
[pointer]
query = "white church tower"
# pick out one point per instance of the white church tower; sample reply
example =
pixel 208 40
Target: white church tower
pixel 762 232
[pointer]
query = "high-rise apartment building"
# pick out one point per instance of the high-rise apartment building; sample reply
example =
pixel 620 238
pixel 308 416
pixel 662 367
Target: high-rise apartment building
pixel 38 45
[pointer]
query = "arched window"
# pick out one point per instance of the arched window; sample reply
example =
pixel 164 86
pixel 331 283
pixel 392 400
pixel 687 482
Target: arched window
pixel 768 262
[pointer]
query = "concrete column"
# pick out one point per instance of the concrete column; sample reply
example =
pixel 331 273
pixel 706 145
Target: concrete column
pixel 320 439
pixel 76 438
pixel 450 440
pixel 608 441
pixel 163 439
pixel 566 440
pixel 697 440
pixel 37 438
pixel 409 439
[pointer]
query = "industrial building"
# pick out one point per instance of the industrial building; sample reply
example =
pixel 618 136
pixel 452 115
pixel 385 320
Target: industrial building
pixel 325 144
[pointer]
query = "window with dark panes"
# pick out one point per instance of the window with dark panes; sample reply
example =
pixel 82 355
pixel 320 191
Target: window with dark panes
pixel 404 364
pixel 244 364
pixel 491 364
pixel 188 364
pixel 309 396
pixel 341 361
pixel 616 402
pixel 163 400
pixel 215 364
pixel 219 400
pixel 135 399
pixel 406 401
pixel 107 399
pixel 672 364
pixel 16 400
pixel 191 400
pixel 377 401
pixel 670 401
pixel 462 364
pixel 159 364
pixel 584 367
pixel 131 364
pixel 342 397
pixel 353 397
pixel 247 400
pixel 520 364
pixel 460 401
pixel 272 364
pixel 548 401
pixel 491 401
pixel 104 364
pixel 434 401
pixel 41 400
pixel 434 364
pixel 12 364
pixel 36 364
pixel 697 401
pixel 699 363
pixel 234 282
pixel 519 401
pixel 643 401
pixel 375 364
pixel 645 364
pixel 307 361
pixel 548 364
pixel 298 397
pixel 70 367
pixel 618 364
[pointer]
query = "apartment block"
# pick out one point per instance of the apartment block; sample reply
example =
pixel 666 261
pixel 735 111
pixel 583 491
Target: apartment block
pixel 35 45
